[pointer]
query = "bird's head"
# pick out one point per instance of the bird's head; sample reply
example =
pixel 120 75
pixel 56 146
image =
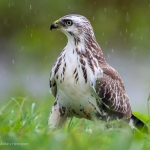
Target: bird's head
pixel 73 25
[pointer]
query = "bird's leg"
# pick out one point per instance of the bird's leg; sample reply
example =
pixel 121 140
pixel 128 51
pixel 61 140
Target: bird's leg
pixel 56 119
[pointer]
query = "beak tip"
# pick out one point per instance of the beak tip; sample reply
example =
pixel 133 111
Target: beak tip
pixel 51 29
pixel 53 26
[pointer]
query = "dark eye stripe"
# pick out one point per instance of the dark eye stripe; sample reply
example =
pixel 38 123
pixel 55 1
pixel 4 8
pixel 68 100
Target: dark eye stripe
pixel 62 23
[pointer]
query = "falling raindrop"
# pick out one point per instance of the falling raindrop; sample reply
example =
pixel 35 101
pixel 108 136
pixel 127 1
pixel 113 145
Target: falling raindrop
pixel 108 56
pixel 13 61
pixel 69 7
pixel 103 33
pixel 124 39
pixel 22 47
pixel 141 38
pixel 131 34
pixel 9 5
pixel 127 13
pixel 26 26
pixel 93 17
pixel 27 77
pixel 126 30
pixel 112 50
pixel 106 43
pixel 31 35
pixel 104 9
pixel 30 7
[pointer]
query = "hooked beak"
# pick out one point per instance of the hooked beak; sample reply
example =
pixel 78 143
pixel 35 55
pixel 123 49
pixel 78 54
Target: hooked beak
pixel 54 25
pixel 58 24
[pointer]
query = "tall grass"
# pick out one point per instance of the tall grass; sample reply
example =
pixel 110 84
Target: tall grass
pixel 23 125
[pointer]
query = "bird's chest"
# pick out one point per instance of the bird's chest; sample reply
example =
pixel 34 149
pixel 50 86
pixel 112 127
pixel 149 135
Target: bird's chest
pixel 74 86
pixel 73 79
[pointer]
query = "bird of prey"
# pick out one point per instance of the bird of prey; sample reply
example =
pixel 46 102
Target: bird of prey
pixel 82 82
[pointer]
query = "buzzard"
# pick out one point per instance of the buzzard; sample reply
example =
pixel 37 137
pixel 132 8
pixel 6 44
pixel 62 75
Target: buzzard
pixel 83 83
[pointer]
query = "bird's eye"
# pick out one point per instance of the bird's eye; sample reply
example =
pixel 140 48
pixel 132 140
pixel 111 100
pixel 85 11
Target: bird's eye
pixel 69 23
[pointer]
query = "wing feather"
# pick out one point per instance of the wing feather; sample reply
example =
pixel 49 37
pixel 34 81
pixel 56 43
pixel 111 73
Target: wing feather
pixel 111 91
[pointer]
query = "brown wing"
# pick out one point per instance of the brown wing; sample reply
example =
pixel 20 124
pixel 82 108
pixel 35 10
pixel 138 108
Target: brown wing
pixel 111 91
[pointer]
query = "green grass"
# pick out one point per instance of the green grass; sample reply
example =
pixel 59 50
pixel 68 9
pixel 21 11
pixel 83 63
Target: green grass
pixel 23 125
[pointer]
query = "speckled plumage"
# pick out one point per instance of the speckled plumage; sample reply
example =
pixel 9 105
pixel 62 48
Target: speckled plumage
pixel 81 80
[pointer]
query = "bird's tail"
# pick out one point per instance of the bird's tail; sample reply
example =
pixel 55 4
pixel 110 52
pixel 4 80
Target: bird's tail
pixel 140 125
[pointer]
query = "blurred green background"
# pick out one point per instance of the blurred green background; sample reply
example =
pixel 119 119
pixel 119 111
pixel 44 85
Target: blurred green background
pixel 28 49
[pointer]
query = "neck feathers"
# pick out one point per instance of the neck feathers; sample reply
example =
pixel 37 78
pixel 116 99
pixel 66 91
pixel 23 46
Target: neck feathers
pixel 87 47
